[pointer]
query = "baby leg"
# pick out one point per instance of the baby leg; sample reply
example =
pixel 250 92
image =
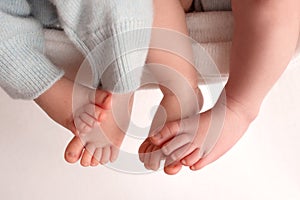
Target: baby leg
pixel 175 74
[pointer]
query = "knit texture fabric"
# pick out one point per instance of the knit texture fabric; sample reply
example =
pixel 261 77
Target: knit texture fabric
pixel 112 34
pixel 24 71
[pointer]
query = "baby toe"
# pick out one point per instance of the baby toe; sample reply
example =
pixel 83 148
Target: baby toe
pixel 105 155
pixel 204 162
pixel 98 154
pixel 74 150
pixel 87 119
pixel 155 158
pixel 173 169
pixel 86 158
pixel 191 159
pixel 88 155
pixel 143 148
pixel 94 162
pixel 176 143
pixel 147 157
pixel 114 153
pixel 95 112
pixel 80 125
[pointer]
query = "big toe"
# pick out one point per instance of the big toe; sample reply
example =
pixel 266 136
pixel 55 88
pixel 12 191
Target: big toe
pixel 74 150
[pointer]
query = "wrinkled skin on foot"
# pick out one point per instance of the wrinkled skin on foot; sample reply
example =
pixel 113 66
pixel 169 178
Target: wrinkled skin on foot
pixel 181 147
pixel 101 126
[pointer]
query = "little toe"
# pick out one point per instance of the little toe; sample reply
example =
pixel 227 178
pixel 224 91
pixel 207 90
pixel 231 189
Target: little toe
pixel 105 155
pixel 191 159
pixel 204 162
pixel 74 150
pixel 196 166
pixel 114 153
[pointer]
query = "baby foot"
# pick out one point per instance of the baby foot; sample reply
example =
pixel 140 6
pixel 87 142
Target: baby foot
pixel 101 146
pixel 170 109
pixel 86 118
pixel 182 139
pixel 206 146
pixel 101 131
pixel 173 141
pixel 151 155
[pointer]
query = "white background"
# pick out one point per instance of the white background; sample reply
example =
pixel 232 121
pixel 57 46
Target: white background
pixel 263 165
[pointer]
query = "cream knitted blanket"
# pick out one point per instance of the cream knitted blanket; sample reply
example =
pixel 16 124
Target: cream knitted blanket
pixel 213 30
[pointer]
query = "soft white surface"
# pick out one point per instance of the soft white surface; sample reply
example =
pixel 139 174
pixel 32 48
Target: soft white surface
pixel 263 165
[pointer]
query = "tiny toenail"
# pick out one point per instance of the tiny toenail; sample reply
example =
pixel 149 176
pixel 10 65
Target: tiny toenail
pixel 153 167
pixel 193 168
pixel 177 165
pixel 71 154
pixel 183 162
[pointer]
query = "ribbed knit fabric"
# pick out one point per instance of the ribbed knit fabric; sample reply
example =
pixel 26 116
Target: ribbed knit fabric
pixel 45 12
pixel 113 35
pixel 26 73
